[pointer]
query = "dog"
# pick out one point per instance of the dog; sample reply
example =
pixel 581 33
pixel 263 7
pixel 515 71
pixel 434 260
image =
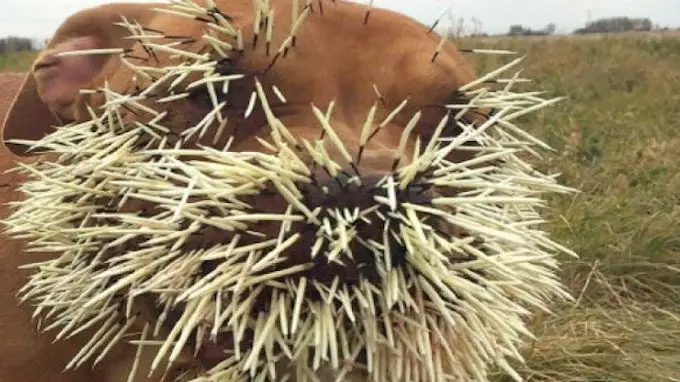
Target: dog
pixel 345 53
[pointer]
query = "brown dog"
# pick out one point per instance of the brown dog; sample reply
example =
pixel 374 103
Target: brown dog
pixel 337 58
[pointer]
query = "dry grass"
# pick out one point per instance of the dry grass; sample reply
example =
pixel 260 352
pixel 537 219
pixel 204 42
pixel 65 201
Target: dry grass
pixel 16 62
pixel 617 141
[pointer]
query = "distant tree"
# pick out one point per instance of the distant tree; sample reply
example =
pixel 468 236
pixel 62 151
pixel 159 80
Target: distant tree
pixel 550 29
pixel 477 29
pixel 460 27
pixel 16 44
pixel 516 30
pixel 519 30
pixel 616 25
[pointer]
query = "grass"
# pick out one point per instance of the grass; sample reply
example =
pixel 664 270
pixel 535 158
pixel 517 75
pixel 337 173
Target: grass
pixel 16 62
pixel 616 140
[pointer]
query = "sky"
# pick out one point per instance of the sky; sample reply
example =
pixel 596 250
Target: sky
pixel 40 18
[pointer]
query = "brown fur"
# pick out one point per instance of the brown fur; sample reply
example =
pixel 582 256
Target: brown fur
pixel 10 84
pixel 336 58
pixel 26 355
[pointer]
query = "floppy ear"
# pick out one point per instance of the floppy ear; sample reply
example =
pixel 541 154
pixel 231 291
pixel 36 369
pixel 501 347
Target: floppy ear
pixel 50 92
pixel 28 118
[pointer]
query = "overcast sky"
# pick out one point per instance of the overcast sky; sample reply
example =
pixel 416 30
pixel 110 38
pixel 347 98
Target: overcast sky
pixel 39 18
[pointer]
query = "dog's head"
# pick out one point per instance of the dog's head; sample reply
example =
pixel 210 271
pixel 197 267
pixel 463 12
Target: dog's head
pixel 354 65
pixel 314 185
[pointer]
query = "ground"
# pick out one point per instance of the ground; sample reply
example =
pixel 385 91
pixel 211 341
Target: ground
pixel 617 140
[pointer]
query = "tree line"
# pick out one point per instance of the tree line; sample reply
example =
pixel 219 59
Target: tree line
pixel 605 25
pixel 13 44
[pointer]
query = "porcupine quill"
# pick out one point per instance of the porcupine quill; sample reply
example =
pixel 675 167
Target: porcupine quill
pixel 427 302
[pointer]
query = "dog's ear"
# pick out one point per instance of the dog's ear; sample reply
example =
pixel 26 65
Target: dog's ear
pixel 28 118
pixel 49 93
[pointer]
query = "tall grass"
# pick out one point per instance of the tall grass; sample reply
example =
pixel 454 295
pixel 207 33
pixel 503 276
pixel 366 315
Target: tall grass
pixel 618 140
pixel 16 62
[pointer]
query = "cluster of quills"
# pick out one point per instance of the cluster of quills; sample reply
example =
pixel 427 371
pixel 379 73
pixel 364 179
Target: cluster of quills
pixel 428 304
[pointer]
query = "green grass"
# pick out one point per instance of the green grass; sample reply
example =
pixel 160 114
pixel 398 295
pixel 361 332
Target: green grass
pixel 618 141
pixel 16 62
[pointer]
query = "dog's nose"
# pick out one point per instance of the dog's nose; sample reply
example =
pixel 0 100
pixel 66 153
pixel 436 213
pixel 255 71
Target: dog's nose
pixel 353 213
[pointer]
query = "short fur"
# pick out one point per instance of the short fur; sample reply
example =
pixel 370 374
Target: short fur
pixel 351 65
pixel 333 61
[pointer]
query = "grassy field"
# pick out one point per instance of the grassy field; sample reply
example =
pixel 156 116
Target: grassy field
pixel 17 62
pixel 618 140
